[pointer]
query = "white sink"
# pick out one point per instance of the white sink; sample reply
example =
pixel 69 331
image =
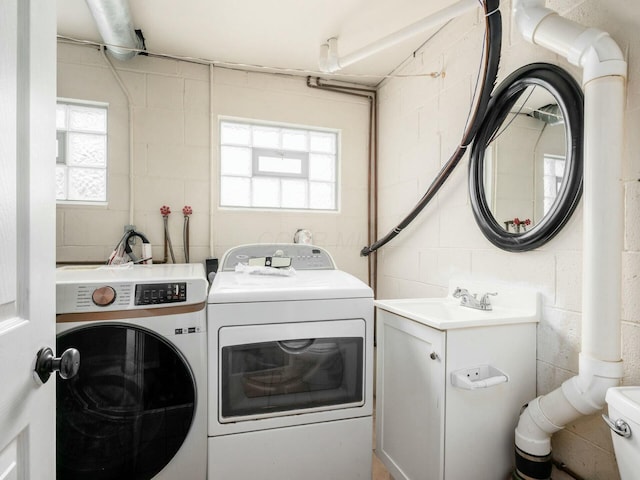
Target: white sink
pixel 511 305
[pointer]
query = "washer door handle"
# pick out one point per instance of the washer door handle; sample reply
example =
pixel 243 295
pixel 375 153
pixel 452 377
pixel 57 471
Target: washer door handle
pixel 619 427
pixel 67 365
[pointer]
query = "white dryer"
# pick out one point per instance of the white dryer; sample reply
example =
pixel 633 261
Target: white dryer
pixel 290 367
pixel 137 407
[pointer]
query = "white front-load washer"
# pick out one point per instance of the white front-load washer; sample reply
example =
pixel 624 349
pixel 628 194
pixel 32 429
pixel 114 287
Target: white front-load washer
pixel 137 408
pixel 290 367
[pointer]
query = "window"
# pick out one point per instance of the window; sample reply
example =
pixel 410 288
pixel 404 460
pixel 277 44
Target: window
pixel 553 176
pixel 277 167
pixel 81 160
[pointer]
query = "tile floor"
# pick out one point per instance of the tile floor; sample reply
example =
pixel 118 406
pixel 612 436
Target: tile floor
pixel 379 471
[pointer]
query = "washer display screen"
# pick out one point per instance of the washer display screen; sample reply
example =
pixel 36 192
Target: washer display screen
pixel 129 409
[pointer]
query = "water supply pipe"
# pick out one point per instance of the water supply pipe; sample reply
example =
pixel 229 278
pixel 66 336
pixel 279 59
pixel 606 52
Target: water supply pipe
pixel 187 211
pixel 330 62
pixel 600 363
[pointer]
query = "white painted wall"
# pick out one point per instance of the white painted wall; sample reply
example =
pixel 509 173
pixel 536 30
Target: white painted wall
pixel 173 159
pixel 421 120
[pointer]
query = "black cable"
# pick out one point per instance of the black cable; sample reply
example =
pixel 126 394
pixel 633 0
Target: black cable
pixel 127 247
pixel 493 40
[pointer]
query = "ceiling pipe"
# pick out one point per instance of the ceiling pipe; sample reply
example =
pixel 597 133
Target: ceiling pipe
pixel 330 62
pixel 114 22
pixel 600 362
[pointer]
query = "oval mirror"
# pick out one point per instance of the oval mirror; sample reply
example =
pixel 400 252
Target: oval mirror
pixel 525 171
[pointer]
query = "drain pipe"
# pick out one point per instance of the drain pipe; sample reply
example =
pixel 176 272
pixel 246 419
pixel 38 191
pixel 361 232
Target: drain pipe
pixel 600 364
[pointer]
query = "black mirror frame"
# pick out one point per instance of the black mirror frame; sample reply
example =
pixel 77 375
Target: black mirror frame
pixel 571 101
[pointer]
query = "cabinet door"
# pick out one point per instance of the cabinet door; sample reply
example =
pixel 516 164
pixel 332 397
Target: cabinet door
pixel 410 398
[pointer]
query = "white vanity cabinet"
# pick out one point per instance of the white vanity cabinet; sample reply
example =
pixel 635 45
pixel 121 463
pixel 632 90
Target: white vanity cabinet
pixel 449 392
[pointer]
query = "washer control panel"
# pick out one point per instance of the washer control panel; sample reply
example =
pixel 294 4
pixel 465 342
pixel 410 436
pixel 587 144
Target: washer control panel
pixel 160 293
pixel 99 288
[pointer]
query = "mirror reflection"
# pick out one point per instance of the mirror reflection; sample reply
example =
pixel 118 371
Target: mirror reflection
pixel 524 162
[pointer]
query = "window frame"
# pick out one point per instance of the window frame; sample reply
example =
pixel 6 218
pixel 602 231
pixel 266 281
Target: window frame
pixel 303 155
pixel 547 207
pixel 257 152
pixel 64 147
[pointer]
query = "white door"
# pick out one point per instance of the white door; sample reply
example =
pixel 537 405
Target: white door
pixel 27 235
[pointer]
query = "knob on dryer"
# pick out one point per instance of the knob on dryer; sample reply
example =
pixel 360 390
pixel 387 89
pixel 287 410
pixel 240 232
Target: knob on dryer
pixel 103 296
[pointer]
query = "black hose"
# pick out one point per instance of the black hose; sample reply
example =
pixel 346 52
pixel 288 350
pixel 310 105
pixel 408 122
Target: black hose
pixel 493 41
pixel 127 247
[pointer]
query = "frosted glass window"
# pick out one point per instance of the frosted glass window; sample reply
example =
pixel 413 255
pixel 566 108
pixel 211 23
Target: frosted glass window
pixel 266 137
pixel 235 191
pixel 294 194
pixel 85 149
pixel 87 119
pixel 323 142
pixel 295 140
pixel 87 184
pixel 81 153
pixel 61 117
pixel 274 166
pixel 265 192
pixel 322 167
pixel 321 195
pixel 235 161
pixel 235 134
pixel 61 182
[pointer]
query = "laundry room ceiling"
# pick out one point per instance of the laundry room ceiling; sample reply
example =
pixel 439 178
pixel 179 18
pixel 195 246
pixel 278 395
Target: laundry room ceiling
pixel 284 34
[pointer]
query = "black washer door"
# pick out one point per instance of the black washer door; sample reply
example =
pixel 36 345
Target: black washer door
pixel 129 409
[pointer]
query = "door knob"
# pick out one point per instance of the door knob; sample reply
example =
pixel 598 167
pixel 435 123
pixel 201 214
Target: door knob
pixel 66 365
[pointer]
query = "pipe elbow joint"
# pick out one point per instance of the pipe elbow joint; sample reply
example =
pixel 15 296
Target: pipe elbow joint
pixel 586 391
pixel 528 15
pixel 329 62
pixel 534 430
pixel 598 55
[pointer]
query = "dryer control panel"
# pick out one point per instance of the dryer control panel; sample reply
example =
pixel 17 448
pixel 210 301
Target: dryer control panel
pixel 298 256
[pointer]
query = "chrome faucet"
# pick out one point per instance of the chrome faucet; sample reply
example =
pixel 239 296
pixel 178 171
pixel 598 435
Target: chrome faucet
pixel 471 300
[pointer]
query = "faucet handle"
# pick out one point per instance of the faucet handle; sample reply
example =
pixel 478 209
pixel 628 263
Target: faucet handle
pixel 485 301
pixel 459 292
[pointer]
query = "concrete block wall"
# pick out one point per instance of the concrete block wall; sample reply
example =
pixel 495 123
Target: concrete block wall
pixel 421 121
pixel 176 109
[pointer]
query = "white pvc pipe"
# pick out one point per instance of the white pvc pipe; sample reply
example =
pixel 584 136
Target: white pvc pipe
pixel 330 62
pixel 212 169
pixel 127 95
pixel 604 76
pixel 113 19
pixel 603 218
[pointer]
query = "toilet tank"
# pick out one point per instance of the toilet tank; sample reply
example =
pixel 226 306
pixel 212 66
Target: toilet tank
pixel 624 405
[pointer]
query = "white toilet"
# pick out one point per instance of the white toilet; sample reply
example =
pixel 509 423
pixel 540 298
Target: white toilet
pixel 624 421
